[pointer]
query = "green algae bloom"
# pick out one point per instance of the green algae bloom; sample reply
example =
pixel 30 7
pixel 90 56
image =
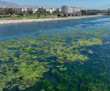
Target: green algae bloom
pixel 25 60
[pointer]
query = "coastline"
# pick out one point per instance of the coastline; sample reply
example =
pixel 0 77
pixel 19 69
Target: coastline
pixel 46 19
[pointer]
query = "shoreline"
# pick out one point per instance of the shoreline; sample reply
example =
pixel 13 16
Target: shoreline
pixel 2 22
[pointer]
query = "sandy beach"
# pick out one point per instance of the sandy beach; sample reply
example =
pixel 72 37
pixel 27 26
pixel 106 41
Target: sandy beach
pixel 41 20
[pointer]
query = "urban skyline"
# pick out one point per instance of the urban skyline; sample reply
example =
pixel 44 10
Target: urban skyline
pixel 63 9
pixel 94 4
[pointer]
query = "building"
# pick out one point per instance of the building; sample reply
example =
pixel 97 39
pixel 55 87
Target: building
pixel 50 10
pixel 33 10
pixel 44 9
pixel 58 9
pixel 65 9
pixel 71 10
pixel 20 9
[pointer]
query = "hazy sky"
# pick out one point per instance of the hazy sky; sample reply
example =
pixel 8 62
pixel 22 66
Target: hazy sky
pixel 58 3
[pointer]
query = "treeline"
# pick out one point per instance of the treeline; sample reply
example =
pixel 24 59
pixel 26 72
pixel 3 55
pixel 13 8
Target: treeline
pixel 10 12
pixel 93 12
pixel 69 14
pixel 84 12
pixel 7 11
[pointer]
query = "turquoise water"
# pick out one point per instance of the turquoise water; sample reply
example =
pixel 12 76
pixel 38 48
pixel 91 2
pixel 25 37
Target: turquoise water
pixel 27 29
pixel 68 55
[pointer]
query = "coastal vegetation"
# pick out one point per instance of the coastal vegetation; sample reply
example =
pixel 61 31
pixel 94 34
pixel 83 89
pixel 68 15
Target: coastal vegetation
pixel 11 14
pixel 93 12
pixel 27 61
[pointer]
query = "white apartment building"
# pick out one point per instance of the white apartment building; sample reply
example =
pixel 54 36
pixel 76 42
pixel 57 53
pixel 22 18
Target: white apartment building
pixel 65 9
pixel 44 9
pixel 72 10
pixel 58 9
pixel 50 10
pixel 20 9
pixel 33 10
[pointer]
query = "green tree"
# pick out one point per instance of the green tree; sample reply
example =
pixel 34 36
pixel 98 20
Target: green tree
pixel 59 14
pixel 2 13
pixel 9 11
pixel 38 13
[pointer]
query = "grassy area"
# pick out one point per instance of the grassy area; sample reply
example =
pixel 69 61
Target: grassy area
pixel 28 17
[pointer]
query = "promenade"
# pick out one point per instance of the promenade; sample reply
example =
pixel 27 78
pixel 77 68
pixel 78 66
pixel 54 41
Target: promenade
pixel 46 19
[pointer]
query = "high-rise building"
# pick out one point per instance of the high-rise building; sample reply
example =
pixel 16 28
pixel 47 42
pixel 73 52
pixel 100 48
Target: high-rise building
pixel 72 10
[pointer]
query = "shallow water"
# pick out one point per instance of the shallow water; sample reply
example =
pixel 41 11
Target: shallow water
pixel 27 29
pixel 68 55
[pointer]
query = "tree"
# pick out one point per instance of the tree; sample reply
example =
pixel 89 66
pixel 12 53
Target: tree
pixel 59 15
pixel 73 14
pixel 38 13
pixel 55 12
pixel 2 13
pixel 9 11
pixel 24 13
pixel 45 14
pixel 65 15
pixel 83 12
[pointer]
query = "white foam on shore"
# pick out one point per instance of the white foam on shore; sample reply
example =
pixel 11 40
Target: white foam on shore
pixel 47 19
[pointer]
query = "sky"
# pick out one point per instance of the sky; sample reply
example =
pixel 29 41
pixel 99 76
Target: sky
pixel 89 4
